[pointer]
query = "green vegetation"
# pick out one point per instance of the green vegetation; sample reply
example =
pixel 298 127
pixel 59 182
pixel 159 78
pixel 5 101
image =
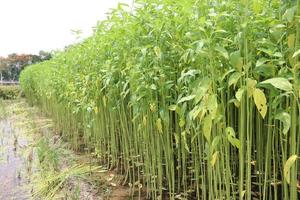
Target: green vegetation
pixel 9 91
pixel 186 98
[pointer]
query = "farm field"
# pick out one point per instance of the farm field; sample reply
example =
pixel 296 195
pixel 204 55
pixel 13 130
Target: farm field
pixel 183 99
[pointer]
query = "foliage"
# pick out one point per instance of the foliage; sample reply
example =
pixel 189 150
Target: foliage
pixel 9 91
pixel 13 64
pixel 184 97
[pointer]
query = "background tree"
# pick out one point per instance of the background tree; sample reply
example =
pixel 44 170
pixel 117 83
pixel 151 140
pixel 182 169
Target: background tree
pixel 13 64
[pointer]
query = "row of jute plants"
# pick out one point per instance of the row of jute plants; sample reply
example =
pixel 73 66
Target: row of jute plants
pixel 188 99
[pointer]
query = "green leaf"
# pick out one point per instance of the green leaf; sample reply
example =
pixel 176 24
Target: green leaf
pixel 296 53
pixel 222 51
pixel 266 70
pixel 181 122
pixel 287 167
pixel 280 83
pixel 235 102
pixel 278 55
pixel 153 87
pixel 289 14
pixel 276 34
pixel 201 90
pixel 233 79
pixel 236 60
pixel 231 137
pixel 269 51
pixel 261 61
pixel 207 125
pixel 195 112
pixel 260 102
pixel 285 118
pixel 227 73
pixel 239 94
pixel 187 98
pixel 144 51
pixel 215 143
pixel 172 107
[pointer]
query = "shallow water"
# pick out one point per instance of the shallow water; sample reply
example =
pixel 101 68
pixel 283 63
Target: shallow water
pixel 21 128
pixel 15 168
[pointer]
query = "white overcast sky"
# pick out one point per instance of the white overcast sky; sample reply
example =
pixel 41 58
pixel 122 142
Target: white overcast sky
pixel 28 26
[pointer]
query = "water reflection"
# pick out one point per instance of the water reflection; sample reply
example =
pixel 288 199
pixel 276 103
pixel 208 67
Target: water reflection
pixel 15 169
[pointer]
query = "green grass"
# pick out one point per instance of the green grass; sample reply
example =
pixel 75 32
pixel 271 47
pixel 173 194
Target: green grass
pixel 186 98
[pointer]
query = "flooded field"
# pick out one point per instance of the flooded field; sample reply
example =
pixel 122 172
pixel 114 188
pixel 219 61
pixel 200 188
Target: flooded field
pixel 16 155
pixel 36 163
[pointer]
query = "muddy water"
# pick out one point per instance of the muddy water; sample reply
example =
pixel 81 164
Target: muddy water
pixel 15 164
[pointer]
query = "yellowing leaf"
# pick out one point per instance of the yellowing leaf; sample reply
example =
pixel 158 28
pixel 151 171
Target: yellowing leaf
pixel 157 51
pixel 214 158
pixel 296 53
pixel 297 66
pixel 152 107
pixel 96 109
pixel 291 40
pixel 287 167
pixel 104 99
pixel 207 125
pixel 257 6
pixel 260 102
pixel 159 125
pixel 243 193
pixel 144 121
pixel 250 86
pixel 212 105
pixel 181 122
pixel 183 136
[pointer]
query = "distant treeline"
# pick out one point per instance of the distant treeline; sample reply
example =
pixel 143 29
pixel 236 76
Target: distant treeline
pixel 13 64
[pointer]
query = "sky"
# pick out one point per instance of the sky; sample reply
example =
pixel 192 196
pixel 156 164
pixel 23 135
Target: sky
pixel 28 26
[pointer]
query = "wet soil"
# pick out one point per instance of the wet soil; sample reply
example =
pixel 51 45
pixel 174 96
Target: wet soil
pixel 21 127
pixel 15 169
